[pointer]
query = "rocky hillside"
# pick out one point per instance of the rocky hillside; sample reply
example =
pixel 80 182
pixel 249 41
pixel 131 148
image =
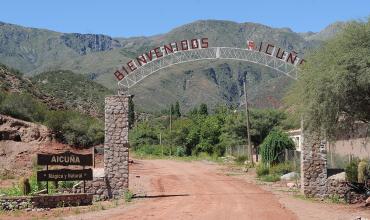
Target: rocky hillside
pixel 59 90
pixel 12 81
pixel 76 90
pixel 36 50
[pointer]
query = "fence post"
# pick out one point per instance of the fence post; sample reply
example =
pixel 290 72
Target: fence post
pixel 286 155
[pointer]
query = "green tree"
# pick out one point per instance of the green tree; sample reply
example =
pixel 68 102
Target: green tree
pixel 177 110
pixel 262 123
pixel 143 134
pixel 274 145
pixel 233 130
pixel 209 133
pixel 193 112
pixel 333 90
pixel 172 109
pixel 203 109
pixel 131 112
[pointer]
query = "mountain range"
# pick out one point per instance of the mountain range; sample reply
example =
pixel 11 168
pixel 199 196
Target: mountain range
pixel 35 51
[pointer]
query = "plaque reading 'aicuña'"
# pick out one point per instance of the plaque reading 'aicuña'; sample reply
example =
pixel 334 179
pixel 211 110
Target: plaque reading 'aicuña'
pixel 64 175
pixel 65 159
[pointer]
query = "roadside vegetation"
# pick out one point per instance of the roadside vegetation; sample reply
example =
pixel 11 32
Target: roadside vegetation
pixel 71 127
pixel 30 186
pixel 200 133
pixel 333 90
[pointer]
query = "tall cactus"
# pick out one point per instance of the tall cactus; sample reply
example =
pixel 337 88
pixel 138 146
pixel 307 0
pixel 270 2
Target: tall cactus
pixel 362 172
pixel 25 186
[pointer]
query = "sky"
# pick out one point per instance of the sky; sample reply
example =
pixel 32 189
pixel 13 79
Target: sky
pixel 150 17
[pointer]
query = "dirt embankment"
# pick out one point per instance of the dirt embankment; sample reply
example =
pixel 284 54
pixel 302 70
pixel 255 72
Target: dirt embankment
pixel 19 140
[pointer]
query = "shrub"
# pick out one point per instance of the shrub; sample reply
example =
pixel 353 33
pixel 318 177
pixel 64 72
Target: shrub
pixel 220 150
pixel 180 151
pixel 75 128
pixel 274 145
pixel 282 168
pixel 240 159
pixel 335 199
pixel 128 196
pixel 67 184
pixel 262 169
pixel 12 191
pixel 143 134
pixel 352 171
pixel 362 171
pixel 24 107
pixel 24 187
pixel 270 178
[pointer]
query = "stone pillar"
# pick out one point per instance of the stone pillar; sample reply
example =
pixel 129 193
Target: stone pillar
pixel 116 154
pixel 314 166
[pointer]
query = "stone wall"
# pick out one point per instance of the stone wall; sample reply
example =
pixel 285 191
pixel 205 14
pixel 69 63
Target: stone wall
pixel 339 188
pixel 13 203
pixel 314 167
pixel 45 201
pixel 336 188
pixel 315 182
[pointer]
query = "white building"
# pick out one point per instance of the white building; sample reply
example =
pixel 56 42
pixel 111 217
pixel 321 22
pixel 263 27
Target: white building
pixel 297 137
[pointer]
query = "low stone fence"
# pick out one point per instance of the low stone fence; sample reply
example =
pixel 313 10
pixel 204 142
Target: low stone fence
pixel 339 188
pixel 101 188
pixel 45 201
pixel 336 188
pixel 12 203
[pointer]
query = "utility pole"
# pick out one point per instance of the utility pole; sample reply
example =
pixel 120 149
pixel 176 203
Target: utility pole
pixel 160 141
pixel 170 131
pixel 170 120
pixel 160 138
pixel 247 115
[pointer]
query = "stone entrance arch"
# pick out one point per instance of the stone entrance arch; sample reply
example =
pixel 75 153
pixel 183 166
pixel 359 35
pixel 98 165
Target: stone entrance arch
pixel 116 146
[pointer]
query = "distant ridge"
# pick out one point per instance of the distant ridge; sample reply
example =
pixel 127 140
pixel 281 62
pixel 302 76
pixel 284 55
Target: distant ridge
pixel 97 56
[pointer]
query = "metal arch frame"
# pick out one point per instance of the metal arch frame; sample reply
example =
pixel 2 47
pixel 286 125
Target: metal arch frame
pixel 211 53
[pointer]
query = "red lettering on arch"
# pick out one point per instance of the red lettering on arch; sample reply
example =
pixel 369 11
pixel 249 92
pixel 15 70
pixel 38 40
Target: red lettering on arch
pixel 141 60
pixel 282 54
pixel 292 57
pixel 267 49
pixel 204 42
pixel 250 45
pixel 119 75
pixel 196 45
pixel 184 45
pixel 149 55
pixel 158 54
pixel 168 48
pixel 131 65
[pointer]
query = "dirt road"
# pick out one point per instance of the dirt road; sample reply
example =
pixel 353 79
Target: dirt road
pixel 193 190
